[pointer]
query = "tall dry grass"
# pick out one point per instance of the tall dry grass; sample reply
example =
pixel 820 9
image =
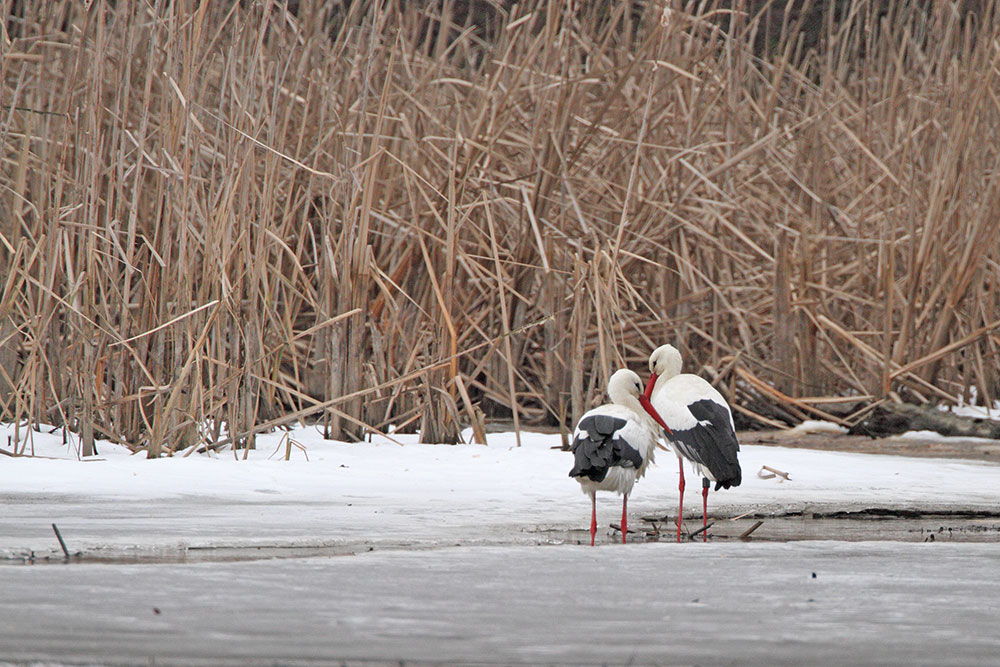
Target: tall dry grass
pixel 219 217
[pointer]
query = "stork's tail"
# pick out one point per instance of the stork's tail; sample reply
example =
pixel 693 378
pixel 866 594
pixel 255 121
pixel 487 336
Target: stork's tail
pixel 733 479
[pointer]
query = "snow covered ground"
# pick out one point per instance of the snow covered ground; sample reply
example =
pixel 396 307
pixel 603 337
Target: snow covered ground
pixel 333 493
pixel 407 593
pixel 979 411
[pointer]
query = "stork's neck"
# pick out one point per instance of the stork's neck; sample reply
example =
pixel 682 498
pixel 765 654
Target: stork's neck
pixel 644 417
pixel 630 402
pixel 625 400
pixel 651 416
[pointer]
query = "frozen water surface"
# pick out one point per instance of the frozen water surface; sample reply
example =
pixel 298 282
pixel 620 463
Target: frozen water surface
pixel 714 604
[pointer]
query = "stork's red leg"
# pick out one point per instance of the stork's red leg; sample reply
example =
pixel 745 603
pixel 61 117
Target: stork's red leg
pixel 705 483
pixel 624 517
pixel 680 503
pixel 593 517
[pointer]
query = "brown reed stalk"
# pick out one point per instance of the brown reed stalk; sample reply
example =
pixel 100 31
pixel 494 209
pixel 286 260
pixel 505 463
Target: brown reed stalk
pixel 215 217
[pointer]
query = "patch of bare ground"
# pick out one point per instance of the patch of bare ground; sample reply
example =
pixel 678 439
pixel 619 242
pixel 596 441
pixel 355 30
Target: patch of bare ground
pixel 931 446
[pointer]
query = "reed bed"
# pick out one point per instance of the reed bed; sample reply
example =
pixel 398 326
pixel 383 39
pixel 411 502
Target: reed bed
pixel 219 217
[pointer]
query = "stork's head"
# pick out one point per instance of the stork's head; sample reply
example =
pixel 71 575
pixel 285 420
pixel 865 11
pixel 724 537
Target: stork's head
pixel 623 385
pixel 665 361
pixel 625 388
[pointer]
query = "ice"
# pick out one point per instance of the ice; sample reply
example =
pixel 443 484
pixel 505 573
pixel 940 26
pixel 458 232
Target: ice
pixel 714 604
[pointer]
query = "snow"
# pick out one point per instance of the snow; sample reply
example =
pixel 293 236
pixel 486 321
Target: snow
pixel 978 411
pixel 816 426
pixel 934 436
pixel 349 493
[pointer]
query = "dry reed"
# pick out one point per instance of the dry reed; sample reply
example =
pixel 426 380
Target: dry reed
pixel 216 218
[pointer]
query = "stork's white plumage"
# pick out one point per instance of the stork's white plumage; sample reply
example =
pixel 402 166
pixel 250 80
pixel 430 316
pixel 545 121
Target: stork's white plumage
pixel 613 444
pixel 698 423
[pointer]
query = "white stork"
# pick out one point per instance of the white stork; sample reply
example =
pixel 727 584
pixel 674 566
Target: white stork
pixel 613 444
pixel 698 424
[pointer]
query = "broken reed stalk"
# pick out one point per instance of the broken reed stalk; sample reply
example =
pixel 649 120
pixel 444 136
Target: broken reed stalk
pixel 745 535
pixel 218 218
pixel 62 543
pixel 701 530
pixel 777 473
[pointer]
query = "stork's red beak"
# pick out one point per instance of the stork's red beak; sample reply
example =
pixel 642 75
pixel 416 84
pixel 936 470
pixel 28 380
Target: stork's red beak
pixel 648 407
pixel 649 385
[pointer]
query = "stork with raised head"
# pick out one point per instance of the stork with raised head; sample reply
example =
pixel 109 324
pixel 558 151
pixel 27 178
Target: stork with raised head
pixel 698 423
pixel 613 444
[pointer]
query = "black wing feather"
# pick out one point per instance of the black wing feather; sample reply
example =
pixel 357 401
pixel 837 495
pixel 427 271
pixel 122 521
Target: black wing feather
pixel 712 443
pixel 596 449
